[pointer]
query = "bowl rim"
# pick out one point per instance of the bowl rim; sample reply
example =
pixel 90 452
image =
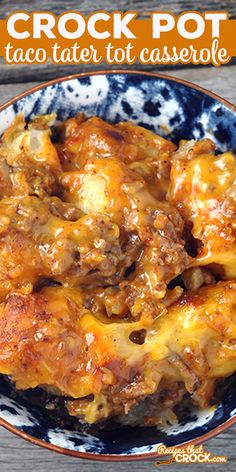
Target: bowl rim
pixel 115 457
pixel 158 75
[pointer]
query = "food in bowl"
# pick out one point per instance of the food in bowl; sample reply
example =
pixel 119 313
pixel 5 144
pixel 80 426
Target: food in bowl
pixel 117 268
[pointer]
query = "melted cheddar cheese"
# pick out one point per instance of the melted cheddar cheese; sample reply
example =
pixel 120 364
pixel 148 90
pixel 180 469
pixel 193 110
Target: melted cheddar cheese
pixel 104 230
pixel 203 189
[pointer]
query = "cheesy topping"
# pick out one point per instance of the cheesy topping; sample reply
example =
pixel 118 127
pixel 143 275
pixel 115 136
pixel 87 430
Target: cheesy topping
pixel 104 230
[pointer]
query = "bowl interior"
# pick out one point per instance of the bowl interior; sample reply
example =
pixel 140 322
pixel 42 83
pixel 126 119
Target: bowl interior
pixel 176 111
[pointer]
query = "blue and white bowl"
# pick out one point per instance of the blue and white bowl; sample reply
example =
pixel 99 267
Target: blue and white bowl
pixel 175 109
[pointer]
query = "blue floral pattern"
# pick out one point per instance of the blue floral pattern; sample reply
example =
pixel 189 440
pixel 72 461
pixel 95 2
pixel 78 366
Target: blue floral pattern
pixel 175 111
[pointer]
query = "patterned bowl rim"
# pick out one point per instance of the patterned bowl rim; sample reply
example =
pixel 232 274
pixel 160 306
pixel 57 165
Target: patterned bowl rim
pixel 115 457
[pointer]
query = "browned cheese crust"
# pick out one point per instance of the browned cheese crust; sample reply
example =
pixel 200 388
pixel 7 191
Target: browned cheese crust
pixel 104 232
